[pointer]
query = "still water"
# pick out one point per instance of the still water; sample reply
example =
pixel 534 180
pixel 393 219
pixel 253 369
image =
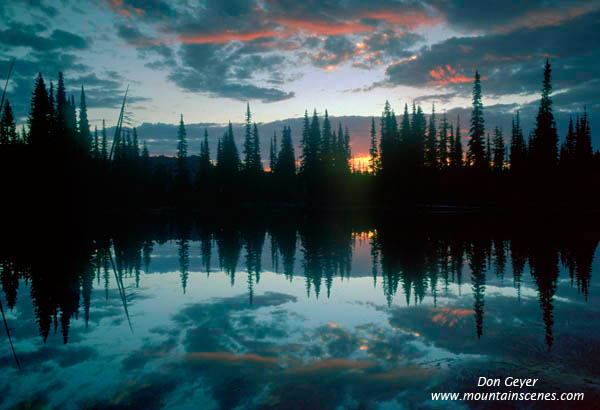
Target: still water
pixel 298 315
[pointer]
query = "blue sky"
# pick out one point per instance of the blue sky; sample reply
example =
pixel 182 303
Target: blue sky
pixel 206 59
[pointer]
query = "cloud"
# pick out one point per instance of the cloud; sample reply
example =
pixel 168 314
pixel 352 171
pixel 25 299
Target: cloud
pixel 510 15
pixel 224 73
pixel 18 35
pixel 511 63
pixel 150 10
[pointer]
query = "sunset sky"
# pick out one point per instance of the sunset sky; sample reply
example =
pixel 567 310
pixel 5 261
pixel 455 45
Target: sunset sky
pixel 206 59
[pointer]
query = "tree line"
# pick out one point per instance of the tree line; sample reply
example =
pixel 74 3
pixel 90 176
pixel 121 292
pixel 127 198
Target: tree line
pixel 412 160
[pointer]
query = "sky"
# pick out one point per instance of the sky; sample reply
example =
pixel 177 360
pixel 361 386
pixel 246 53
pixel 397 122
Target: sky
pixel 207 59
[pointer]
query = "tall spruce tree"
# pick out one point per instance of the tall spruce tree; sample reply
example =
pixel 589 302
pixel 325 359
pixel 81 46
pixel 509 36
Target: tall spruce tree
pixel 205 166
pixel 518 150
pixel 257 167
pixel 273 152
pixel 499 150
pixel 286 159
pixel 39 117
pixel 182 173
pixel 373 152
pixel 8 128
pixel 583 143
pixel 60 125
pixel 570 143
pixel 327 145
pixel 84 125
pixel 476 156
pixel 104 144
pixel 443 142
pixel 545 147
pixel 457 158
pixel 96 145
pixel 248 140
pixel 431 155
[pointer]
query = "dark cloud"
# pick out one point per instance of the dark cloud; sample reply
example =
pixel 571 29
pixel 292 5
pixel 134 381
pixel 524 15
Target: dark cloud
pixel 32 5
pixel 510 63
pixel 221 72
pixel 511 14
pixel 17 35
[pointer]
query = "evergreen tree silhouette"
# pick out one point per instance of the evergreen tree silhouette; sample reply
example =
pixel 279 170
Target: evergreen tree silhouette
pixel 96 144
pixel 443 142
pixel 273 152
pixel 373 151
pixel 248 141
pixel 182 173
pixel 39 117
pixel 499 150
pixel 286 159
pixel 8 128
pixel 84 126
pixel 476 153
pixel 457 161
pixel 104 143
pixel 544 150
pixel 583 143
pixel 431 155
pixel 518 150
pixel 257 167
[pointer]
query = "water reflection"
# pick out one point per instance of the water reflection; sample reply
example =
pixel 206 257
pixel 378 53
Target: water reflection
pixel 442 296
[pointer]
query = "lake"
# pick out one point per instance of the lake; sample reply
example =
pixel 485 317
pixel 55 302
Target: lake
pixel 299 313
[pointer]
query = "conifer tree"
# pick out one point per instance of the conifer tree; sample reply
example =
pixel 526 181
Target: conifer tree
pixel 451 145
pixel 228 159
pixel 104 145
pixel 272 152
pixel 476 156
pixel 182 176
pixel 311 154
pixel 418 130
pixel 570 142
pixel 347 152
pixel 257 167
pixel 304 143
pixel 373 152
pixel 405 131
pixel 431 156
pixel 8 129
pixel 84 125
pixel 39 116
pixel 327 145
pixel 72 130
pixel 96 149
pixel 60 124
pixel 457 160
pixel 205 166
pixel 545 148
pixel 499 150
pixel 388 140
pixel 583 143
pixel 248 140
pixel 443 142
pixel 488 150
pixel 286 160
pixel 517 145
